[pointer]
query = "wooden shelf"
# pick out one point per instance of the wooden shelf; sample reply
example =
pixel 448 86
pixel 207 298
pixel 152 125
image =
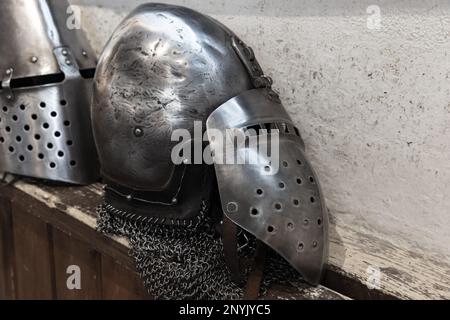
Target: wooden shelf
pixel 44 229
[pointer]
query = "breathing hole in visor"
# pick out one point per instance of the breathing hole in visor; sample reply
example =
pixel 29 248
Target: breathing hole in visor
pixel 254 211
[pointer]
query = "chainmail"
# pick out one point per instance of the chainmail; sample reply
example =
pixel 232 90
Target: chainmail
pixel 185 262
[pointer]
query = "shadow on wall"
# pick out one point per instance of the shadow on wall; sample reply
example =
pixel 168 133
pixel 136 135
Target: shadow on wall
pixel 287 7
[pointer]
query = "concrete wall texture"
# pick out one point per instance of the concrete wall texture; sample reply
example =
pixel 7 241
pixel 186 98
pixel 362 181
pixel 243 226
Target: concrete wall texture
pixel 370 94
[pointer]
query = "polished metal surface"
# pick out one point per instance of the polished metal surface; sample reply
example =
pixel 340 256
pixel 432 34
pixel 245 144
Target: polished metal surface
pixel 30 30
pixel 164 68
pixel 283 208
pixel 45 129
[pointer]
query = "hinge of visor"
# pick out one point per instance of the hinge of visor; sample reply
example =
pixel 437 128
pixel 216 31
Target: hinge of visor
pixel 245 53
pixel 67 62
pixel 6 84
pixel 247 56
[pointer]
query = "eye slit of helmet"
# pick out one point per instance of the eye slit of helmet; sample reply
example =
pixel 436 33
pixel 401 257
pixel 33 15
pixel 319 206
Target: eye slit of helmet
pixel 87 73
pixel 284 127
pixel 37 80
pixel 49 78
pixel 252 130
pixel 269 127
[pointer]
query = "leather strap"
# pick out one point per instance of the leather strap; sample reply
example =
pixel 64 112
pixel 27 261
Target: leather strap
pixel 256 275
pixel 230 246
pixel 236 266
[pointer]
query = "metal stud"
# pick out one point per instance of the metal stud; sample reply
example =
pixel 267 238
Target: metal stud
pixel 138 132
pixel 34 59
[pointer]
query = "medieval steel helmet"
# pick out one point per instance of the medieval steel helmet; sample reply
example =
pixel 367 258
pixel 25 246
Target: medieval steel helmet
pixel 45 94
pixel 166 68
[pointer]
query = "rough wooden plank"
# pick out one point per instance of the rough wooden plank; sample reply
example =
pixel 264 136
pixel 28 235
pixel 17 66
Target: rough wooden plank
pixel 6 251
pixel 403 273
pixel 33 268
pixel 69 251
pixel 80 202
pixel 302 291
pixel 119 282
pixel 50 209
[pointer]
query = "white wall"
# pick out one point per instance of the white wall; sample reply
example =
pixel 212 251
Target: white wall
pixel 373 106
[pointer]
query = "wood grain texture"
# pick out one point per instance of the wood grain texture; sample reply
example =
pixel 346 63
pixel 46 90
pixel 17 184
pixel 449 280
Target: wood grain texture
pixel 7 290
pixel 69 251
pixel 119 282
pixel 403 273
pixel 79 203
pixel 33 255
